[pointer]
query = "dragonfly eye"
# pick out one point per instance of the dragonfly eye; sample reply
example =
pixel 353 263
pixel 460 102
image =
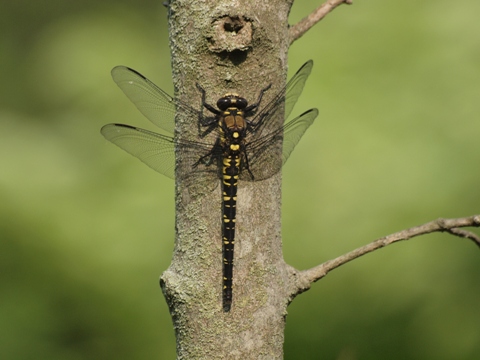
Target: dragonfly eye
pixel 231 101
pixel 224 103
pixel 241 103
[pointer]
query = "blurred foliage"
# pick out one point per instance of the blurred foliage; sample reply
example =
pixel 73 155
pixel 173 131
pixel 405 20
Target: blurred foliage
pixel 396 145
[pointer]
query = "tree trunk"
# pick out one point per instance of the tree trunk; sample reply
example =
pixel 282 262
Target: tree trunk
pixel 226 47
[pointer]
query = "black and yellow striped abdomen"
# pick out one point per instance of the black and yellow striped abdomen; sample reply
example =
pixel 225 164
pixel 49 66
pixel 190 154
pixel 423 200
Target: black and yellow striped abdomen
pixel 231 169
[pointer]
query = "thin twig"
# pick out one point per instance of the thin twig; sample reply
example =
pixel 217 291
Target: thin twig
pixel 465 234
pixel 318 14
pixel 307 277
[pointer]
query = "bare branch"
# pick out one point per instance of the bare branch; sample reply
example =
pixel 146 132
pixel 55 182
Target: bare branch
pixel 465 234
pixel 307 277
pixel 306 23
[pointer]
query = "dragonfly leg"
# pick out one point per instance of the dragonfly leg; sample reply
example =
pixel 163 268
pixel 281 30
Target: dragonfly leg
pixel 206 121
pixel 253 107
pixel 209 107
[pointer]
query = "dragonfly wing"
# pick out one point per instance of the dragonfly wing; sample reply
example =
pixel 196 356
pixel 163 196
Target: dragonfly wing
pixel 153 102
pixel 268 154
pixel 294 130
pixel 288 96
pixel 155 150
pixel 295 86
pixel 199 161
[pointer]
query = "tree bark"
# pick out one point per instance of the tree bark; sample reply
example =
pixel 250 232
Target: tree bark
pixel 242 47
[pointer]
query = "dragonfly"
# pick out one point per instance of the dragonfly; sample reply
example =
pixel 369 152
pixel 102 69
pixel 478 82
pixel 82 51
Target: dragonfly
pixel 234 141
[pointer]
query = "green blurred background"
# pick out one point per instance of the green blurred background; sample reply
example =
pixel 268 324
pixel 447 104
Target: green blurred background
pixel 86 230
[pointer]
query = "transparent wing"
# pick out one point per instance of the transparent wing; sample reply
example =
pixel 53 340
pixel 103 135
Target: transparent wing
pixel 267 155
pixel 289 95
pixel 158 152
pixel 294 130
pixel 200 162
pixel 295 86
pixel 153 102
pixel 155 150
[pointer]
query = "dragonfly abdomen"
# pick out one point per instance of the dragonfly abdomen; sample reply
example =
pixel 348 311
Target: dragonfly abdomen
pixel 231 168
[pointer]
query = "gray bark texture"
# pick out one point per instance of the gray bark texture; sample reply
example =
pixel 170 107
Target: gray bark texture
pixel 228 46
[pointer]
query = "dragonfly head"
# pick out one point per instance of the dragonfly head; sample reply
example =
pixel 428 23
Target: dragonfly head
pixel 231 100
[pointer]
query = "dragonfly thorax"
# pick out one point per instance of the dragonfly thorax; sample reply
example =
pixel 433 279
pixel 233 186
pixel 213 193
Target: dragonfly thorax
pixel 233 121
